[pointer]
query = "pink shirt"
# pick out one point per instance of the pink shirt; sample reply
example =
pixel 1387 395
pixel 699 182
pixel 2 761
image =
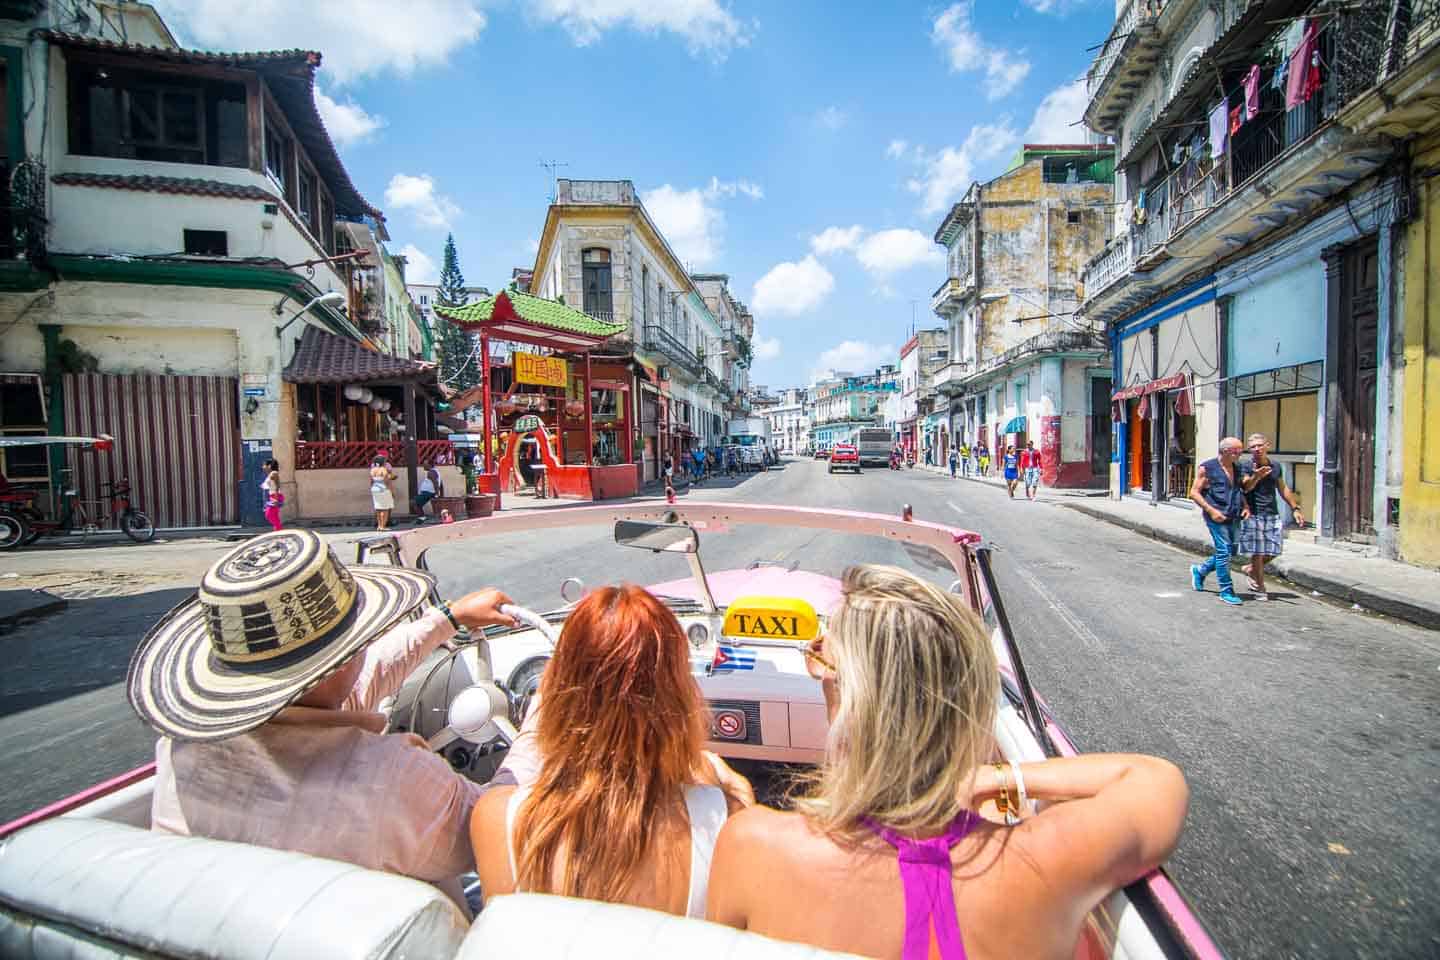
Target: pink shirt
pixel 331 783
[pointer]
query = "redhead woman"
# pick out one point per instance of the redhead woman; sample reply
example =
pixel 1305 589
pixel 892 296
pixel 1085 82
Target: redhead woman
pixel 887 856
pixel 626 806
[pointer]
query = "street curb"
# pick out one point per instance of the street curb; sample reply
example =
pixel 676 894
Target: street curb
pixel 52 604
pixel 1371 598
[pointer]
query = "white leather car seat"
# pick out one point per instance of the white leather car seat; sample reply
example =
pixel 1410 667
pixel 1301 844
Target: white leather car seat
pixel 540 927
pixel 76 888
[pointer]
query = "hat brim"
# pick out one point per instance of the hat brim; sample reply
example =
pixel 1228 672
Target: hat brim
pixel 180 687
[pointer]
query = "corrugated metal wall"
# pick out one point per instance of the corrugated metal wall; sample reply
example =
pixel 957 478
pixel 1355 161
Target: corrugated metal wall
pixel 176 438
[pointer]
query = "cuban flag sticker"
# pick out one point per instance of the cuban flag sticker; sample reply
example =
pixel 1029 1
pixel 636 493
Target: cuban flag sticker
pixel 729 659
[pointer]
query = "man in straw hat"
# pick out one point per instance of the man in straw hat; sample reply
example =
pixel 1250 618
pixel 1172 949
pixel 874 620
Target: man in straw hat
pixel 264 688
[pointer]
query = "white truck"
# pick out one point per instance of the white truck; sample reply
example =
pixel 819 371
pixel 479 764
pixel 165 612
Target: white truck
pixel 750 436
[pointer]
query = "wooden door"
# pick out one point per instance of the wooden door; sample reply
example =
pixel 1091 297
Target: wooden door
pixel 1359 356
pixel 1100 427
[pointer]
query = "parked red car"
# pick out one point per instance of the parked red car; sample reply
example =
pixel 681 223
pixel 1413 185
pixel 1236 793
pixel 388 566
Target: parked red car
pixel 845 456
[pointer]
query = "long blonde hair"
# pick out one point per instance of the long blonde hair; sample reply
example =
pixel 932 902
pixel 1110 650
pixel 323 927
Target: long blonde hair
pixel 918 688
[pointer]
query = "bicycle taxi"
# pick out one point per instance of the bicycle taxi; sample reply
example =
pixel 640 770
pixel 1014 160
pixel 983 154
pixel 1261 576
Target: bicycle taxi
pixel 22 522
pixel 86 876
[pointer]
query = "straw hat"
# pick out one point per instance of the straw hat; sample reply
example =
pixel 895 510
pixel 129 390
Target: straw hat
pixel 272 618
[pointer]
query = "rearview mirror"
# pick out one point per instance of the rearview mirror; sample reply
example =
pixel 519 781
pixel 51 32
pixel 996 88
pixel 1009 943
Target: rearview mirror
pixel 669 537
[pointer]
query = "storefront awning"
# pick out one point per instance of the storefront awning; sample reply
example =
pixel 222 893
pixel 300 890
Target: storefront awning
pixel 1154 386
pixel 1178 383
pixel 325 358
pixel 1015 425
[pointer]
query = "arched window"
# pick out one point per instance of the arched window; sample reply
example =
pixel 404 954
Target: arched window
pixel 1186 65
pixel 595 269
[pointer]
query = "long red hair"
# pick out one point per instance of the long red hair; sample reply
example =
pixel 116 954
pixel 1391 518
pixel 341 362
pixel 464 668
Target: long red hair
pixel 621 731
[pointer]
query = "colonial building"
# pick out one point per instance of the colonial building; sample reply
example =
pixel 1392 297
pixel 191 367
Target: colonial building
pixel 1258 266
pixel 790 420
pixel 737 330
pixel 922 433
pixel 1021 365
pixel 177 224
pixel 843 404
pixel 600 252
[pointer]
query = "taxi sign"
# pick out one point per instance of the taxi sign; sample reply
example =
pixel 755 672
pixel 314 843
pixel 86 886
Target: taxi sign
pixel 771 618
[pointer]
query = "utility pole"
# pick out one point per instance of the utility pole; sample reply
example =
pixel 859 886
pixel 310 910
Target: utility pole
pixel 551 166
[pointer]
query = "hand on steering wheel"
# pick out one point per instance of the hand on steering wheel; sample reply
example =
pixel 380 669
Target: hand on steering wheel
pixel 529 618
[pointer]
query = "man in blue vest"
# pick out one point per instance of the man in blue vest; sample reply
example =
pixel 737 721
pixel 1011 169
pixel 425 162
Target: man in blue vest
pixel 1218 492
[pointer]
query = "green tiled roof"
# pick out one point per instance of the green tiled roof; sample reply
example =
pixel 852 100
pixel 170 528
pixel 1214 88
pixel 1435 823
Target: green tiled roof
pixel 536 310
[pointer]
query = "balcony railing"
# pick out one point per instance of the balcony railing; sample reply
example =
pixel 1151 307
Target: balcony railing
pixel 1135 12
pixel 327 455
pixel 1058 339
pixel 953 288
pixel 1114 262
pixel 661 339
pixel 950 375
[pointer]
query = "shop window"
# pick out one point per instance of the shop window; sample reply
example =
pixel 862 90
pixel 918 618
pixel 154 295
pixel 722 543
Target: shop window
pixel 1289 421
pixel 143 116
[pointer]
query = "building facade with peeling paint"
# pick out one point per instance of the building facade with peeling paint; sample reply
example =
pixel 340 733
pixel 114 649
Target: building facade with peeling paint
pixel 1021 366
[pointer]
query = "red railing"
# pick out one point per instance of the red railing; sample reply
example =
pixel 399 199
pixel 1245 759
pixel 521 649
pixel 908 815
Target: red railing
pixel 325 455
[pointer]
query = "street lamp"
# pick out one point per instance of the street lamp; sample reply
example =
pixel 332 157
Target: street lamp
pixel 334 296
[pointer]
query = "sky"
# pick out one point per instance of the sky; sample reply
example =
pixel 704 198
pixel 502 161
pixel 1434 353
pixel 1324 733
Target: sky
pixel 809 150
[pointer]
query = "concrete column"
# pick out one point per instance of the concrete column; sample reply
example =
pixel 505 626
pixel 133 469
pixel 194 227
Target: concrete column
pixel 1052 380
pixel 1330 435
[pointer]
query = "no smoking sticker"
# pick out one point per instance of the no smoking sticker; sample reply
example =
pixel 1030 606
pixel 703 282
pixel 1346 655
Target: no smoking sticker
pixel 729 725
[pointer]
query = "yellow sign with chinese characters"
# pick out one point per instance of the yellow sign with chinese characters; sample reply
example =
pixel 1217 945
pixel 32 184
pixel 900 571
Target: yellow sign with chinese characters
pixel 544 371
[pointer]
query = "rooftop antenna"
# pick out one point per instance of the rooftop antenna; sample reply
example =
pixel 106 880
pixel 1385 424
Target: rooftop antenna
pixel 550 167
pixel 913 302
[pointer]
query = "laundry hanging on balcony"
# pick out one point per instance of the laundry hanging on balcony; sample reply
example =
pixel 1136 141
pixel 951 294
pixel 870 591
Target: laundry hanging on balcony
pixel 1303 72
pixel 1289 42
pixel 1252 93
pixel 1220 128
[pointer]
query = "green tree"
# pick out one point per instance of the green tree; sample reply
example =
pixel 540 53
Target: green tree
pixel 455 349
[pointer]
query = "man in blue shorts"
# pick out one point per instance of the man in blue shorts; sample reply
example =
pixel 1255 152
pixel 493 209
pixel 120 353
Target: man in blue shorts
pixel 1030 469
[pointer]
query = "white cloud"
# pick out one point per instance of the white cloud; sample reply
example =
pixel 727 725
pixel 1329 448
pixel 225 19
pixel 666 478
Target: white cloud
pixel 691 220
pixel 793 288
pixel 954 32
pixel 356 37
pixel 896 149
pixel 1057 119
pixel 946 175
pixel 417 194
pixel 1057 7
pixel 890 251
pixel 832 118
pixel 765 348
pixel 347 122
pixel 419 268
pixel 855 356
pixel 833 239
pixel 706 26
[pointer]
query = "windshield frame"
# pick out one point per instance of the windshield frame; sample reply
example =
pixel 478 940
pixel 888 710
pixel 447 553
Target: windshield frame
pixel 954 544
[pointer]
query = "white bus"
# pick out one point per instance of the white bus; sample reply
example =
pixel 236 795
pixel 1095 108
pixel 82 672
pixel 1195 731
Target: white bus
pixel 874 444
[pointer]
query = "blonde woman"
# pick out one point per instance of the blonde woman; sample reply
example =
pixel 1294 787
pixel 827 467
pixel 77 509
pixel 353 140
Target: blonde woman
pixel 911 686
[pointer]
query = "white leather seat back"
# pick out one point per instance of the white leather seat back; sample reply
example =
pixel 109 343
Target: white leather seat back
pixel 539 927
pixel 77 888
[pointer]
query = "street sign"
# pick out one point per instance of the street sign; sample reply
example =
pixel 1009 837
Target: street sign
pixel 544 371
pixel 254 391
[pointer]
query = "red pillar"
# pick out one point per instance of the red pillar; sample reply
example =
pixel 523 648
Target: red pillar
pixel 589 426
pixel 492 465
pixel 1049 450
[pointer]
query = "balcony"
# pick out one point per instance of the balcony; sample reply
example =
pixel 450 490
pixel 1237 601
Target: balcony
pixel 949 378
pixel 1058 339
pixel 948 297
pixel 1276 168
pixel 1122 63
pixel 659 339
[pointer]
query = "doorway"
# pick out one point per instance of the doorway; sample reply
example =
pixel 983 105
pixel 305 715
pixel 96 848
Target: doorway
pixel 1359 354
pixel 1100 427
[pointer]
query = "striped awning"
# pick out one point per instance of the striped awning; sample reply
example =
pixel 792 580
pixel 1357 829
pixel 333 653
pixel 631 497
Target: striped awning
pixel 1015 425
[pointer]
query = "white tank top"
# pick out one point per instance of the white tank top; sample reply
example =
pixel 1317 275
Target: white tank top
pixel 707 810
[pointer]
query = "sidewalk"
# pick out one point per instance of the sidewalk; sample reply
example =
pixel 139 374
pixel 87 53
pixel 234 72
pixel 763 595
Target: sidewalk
pixel 1382 586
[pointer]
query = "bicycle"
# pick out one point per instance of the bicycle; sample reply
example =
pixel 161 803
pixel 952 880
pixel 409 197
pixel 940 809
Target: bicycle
pixel 22 524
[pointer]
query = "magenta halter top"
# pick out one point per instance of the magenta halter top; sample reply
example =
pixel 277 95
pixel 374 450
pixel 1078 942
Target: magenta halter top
pixel 929 896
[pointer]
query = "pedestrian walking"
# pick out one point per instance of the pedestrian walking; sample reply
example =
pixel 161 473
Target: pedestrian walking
pixel 1217 491
pixel 965 464
pixel 1030 469
pixel 270 491
pixel 982 455
pixel 1012 469
pixel 382 490
pixel 954 462
pixel 1262 534
pixel 431 486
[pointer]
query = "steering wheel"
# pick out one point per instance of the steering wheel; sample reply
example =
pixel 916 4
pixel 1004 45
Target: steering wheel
pixel 532 620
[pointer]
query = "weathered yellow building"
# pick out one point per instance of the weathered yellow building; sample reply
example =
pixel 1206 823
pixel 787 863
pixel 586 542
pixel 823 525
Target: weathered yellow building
pixel 1021 368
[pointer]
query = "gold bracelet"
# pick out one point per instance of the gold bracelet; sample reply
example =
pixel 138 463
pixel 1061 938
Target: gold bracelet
pixel 1002 802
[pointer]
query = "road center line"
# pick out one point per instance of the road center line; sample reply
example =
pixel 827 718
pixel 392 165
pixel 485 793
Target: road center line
pixel 953 507
pixel 1086 636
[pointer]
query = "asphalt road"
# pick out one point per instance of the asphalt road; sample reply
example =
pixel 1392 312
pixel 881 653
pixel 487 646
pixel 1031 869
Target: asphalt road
pixel 1308 732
